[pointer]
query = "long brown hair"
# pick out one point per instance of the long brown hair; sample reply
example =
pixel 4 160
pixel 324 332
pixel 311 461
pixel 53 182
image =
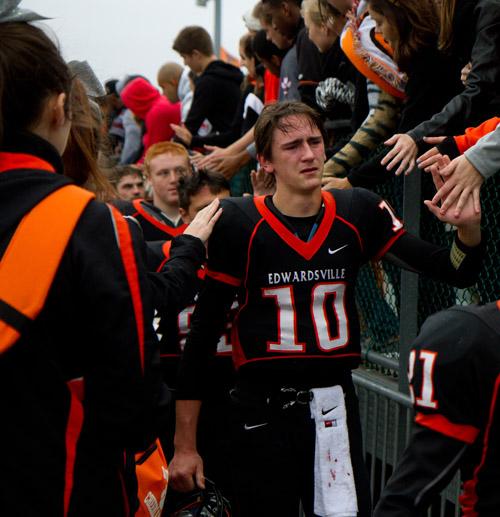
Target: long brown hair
pixel 80 155
pixel 447 15
pixel 417 24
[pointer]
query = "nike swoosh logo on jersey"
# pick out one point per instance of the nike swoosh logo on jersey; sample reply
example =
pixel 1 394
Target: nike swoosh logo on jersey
pixel 325 412
pixel 249 427
pixel 332 252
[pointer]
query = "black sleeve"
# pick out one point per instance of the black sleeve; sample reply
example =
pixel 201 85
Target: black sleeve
pixel 377 222
pixel 225 272
pixel 459 266
pixel 449 147
pixel 201 99
pixel 371 172
pixel 176 285
pixel 122 386
pixel 428 464
pixel 207 325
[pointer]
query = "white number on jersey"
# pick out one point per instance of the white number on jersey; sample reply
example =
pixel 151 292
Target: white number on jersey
pixel 396 223
pixel 287 318
pixel 426 398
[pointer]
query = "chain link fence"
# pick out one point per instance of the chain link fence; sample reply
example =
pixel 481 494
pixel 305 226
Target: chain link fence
pixel 379 284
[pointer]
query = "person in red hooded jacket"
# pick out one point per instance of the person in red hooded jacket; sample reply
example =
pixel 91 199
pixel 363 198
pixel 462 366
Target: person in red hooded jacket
pixel 157 112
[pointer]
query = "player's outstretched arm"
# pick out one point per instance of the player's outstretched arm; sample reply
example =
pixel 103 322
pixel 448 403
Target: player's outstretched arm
pixel 428 464
pixel 186 467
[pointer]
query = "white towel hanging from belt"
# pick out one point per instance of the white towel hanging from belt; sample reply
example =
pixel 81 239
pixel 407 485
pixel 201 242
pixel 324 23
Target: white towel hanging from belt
pixel 334 487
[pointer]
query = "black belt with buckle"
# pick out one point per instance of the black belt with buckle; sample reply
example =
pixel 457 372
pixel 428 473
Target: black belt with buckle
pixel 281 398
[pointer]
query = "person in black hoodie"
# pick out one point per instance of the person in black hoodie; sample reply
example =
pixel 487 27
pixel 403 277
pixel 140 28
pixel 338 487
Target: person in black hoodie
pixel 217 86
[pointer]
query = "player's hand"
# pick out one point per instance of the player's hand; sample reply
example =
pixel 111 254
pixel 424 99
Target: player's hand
pixel 462 181
pixel 431 157
pixel 404 152
pixel 203 224
pixel 262 183
pixel 186 471
pixel 468 217
pixel 182 133
pixel 338 183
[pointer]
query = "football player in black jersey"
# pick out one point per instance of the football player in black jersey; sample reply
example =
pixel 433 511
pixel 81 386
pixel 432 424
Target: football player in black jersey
pixel 292 260
pixel 454 372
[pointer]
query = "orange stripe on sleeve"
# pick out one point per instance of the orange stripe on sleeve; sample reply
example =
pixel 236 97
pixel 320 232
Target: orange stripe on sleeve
pixel 222 277
pixel 440 424
pixel 130 265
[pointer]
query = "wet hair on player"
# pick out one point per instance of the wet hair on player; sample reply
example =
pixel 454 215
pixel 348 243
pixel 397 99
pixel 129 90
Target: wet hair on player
pixel 273 118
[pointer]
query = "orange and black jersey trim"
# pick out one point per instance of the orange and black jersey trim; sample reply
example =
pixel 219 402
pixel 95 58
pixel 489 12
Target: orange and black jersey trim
pixel 154 223
pixel 455 385
pixel 70 362
pixel 297 318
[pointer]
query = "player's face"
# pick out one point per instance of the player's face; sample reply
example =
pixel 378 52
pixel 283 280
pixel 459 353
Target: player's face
pixel 297 156
pixel 164 173
pixel 130 187
pixel 199 201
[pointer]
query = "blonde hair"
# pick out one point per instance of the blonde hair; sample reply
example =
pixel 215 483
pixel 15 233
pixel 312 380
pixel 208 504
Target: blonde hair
pixel 320 12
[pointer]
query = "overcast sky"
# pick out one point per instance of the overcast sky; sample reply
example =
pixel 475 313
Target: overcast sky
pixel 119 37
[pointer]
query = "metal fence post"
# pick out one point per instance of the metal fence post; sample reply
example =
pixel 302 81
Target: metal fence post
pixel 408 326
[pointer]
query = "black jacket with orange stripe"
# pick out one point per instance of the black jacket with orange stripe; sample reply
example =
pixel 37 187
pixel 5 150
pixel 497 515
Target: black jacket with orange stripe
pixel 55 460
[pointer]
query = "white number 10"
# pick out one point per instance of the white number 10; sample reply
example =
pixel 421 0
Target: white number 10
pixel 287 318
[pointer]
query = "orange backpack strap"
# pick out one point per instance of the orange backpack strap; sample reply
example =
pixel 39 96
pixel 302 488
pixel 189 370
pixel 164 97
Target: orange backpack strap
pixel 30 262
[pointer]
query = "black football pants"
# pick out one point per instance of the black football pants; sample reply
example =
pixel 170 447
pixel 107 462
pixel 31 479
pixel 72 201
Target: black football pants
pixel 273 459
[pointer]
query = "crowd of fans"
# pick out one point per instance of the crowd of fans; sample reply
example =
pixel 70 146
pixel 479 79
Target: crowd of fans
pixel 401 86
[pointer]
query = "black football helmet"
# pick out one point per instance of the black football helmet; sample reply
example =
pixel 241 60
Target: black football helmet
pixel 203 503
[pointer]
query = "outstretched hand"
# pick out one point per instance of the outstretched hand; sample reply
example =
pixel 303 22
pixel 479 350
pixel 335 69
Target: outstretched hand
pixel 202 225
pixel 182 133
pixel 462 183
pixel 468 217
pixel 432 156
pixel 262 183
pixel 404 152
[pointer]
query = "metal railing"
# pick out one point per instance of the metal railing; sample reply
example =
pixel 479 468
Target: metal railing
pixel 386 420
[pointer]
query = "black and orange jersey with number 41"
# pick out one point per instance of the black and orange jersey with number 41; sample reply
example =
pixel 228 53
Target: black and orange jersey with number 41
pixel 454 370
